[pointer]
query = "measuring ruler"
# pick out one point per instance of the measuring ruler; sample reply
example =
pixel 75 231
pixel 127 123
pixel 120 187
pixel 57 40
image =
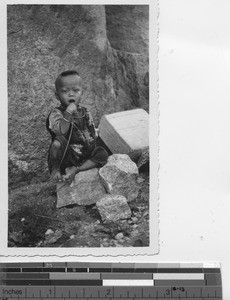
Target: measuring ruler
pixel 124 281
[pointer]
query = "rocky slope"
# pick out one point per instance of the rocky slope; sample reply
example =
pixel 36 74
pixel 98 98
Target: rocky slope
pixel 34 221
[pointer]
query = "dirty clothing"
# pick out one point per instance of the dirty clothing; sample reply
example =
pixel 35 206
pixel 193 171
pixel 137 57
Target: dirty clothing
pixel 82 140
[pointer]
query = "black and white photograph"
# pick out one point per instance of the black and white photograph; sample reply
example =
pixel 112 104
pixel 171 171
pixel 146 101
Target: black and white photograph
pixel 115 147
pixel 82 96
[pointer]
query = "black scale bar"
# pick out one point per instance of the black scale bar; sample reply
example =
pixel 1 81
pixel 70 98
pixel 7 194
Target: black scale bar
pixel 114 270
pixel 42 282
pixel 43 270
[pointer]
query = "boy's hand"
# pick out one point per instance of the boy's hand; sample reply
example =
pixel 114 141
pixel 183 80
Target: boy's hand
pixel 71 108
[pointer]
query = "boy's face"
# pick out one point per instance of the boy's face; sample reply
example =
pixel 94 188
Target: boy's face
pixel 69 90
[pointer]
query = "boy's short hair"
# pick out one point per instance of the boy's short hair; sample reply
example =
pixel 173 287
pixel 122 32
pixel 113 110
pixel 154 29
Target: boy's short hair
pixel 64 74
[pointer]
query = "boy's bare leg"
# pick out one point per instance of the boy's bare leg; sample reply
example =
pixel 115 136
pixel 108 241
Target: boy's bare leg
pixel 55 154
pixel 72 171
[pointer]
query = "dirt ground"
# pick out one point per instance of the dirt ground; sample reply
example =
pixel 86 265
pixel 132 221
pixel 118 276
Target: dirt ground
pixel 34 220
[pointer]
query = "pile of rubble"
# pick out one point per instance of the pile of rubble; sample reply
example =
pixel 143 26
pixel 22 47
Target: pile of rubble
pixel 115 184
pixel 110 188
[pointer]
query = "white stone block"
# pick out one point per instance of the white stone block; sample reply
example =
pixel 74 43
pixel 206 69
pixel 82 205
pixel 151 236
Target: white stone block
pixel 126 132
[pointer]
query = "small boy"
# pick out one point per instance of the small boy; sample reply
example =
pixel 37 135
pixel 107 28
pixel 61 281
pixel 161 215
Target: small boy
pixel 73 148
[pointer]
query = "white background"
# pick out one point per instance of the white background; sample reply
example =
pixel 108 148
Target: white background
pixel 194 94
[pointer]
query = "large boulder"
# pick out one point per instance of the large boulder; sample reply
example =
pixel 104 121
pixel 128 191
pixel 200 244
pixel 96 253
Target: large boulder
pixel 128 33
pixel 108 45
pixel 86 189
pixel 113 208
pixel 119 176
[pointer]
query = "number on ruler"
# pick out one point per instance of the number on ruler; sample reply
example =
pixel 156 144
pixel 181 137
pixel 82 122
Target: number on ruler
pixel 167 292
pixel 108 292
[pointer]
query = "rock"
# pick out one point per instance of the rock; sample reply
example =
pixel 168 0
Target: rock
pixel 142 208
pixel 16 237
pixel 109 227
pixel 49 231
pixel 15 160
pixel 138 243
pixel 94 234
pixel 126 132
pixel 102 229
pixel 119 176
pixel 140 180
pixel 112 243
pixel 54 237
pixel 119 236
pixel 146 214
pixel 127 239
pixel 135 220
pixel 124 226
pixel 134 233
pixel 143 161
pixel 113 208
pixel 39 243
pixel 107 43
pixel 86 189
pixel 129 40
pixel 118 245
pixel 105 243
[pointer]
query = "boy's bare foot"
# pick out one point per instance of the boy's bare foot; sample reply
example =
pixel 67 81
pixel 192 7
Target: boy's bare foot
pixel 69 174
pixel 56 176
